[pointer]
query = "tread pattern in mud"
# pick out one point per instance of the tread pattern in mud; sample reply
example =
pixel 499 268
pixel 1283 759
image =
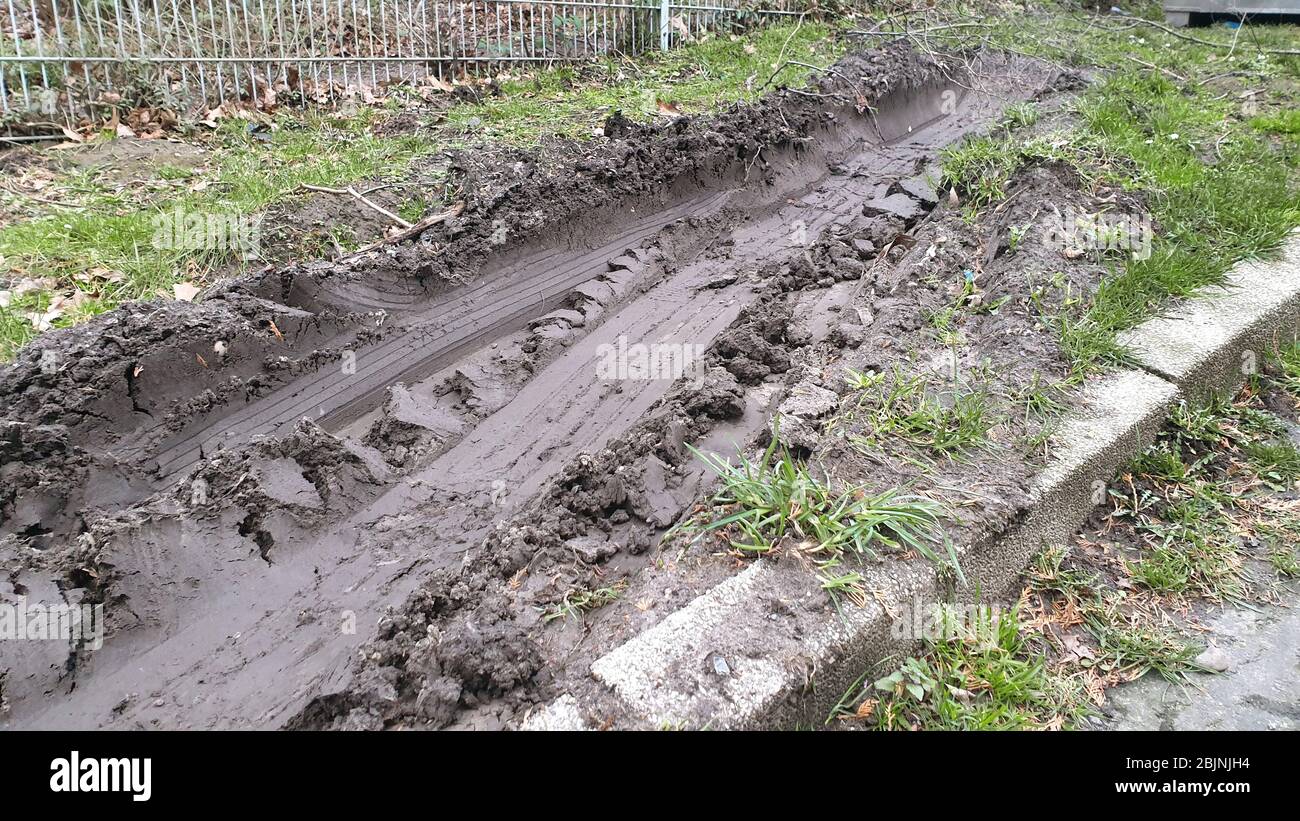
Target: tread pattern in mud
pixel 277 545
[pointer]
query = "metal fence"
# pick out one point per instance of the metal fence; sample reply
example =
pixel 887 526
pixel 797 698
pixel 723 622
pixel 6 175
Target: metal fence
pixel 65 59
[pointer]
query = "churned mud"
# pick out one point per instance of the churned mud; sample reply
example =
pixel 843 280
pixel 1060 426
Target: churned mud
pixel 364 492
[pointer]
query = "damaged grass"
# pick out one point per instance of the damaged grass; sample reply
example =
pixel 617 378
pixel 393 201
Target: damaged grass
pixel 115 246
pixel 94 248
pixel 904 408
pixel 573 101
pixel 1205 134
pixel 776 503
pixel 577 603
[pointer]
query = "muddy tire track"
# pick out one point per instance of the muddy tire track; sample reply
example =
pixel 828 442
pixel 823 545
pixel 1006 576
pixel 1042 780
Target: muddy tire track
pixel 246 546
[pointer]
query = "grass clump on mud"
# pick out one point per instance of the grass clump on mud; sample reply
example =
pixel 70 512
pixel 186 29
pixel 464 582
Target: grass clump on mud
pixel 984 675
pixel 577 603
pixel 905 408
pixel 775 504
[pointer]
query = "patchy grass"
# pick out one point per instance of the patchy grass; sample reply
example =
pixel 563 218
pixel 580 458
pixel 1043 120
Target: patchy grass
pixel 1131 647
pixel 777 497
pixel 986 676
pixel 1206 514
pixel 1192 494
pixel 1159 123
pixel 78 261
pixel 1282 553
pixel 1277 463
pixel 1190 559
pixel 773 503
pixel 980 168
pixel 1288 362
pixel 578 603
pixel 902 407
pixel 573 101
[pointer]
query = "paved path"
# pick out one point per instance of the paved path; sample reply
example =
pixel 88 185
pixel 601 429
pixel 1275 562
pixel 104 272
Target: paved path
pixel 1259 691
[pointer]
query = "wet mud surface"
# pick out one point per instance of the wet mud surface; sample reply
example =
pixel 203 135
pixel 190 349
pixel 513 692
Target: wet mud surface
pixel 364 493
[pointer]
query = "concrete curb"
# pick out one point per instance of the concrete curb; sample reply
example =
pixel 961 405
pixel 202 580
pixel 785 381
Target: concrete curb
pixel 1213 342
pixel 741 657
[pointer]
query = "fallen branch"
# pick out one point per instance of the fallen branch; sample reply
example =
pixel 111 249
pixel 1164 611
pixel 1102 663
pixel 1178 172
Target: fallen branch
pixel 1291 52
pixel 412 231
pixel 906 32
pixel 352 192
pixel 826 70
pixel 1170 74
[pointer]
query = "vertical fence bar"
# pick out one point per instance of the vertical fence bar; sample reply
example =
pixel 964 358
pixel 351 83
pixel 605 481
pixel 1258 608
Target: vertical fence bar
pixel 528 40
pixel 665 13
pixel 280 31
pixel 370 38
pixel 197 51
pixel 4 95
pixel 62 48
pixel 251 65
pixel 383 28
pixel 18 50
pixel 161 36
pixel 397 39
pixel 134 11
pixel 81 50
pixel 437 36
pixel 313 50
pixel 471 50
pixel 424 38
pixel 100 42
pixel 40 52
pixel 267 32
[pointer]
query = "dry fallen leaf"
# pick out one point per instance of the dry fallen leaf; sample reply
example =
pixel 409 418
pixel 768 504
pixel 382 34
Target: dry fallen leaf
pixel 42 320
pixel 668 109
pixel 1074 646
pixel 185 291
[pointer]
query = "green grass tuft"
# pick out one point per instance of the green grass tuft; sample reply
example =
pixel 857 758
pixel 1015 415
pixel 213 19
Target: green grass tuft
pixel 986 677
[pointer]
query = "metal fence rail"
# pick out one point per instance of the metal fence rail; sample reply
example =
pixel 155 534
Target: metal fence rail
pixel 65 59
